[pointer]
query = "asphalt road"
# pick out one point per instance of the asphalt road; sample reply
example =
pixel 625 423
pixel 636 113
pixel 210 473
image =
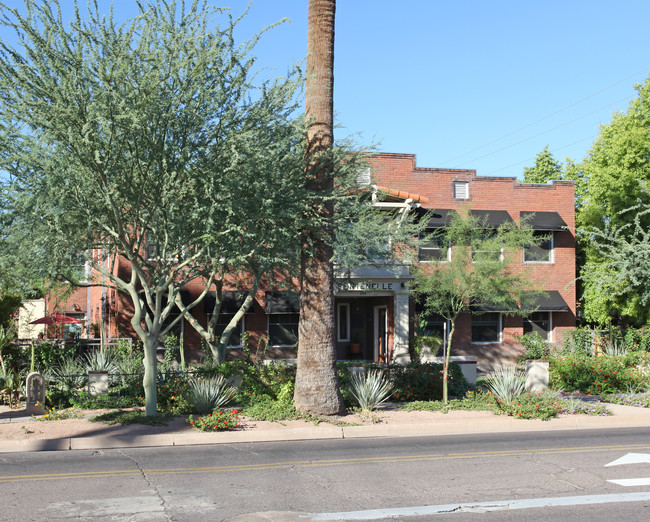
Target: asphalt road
pixel 478 477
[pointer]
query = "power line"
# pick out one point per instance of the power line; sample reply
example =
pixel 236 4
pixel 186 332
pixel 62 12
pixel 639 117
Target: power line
pixel 546 131
pixel 533 159
pixel 544 118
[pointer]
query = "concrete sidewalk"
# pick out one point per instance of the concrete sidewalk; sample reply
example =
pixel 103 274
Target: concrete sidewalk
pixel 623 417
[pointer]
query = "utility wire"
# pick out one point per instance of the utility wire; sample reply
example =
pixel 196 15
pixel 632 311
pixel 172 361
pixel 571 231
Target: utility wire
pixel 544 118
pixel 533 159
pixel 546 131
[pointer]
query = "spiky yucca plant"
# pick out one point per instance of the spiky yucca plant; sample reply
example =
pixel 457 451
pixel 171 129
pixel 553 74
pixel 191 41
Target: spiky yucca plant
pixel 506 383
pixel 206 395
pixel 371 389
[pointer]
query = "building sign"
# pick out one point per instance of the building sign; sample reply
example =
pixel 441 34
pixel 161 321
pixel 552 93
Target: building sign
pixel 367 286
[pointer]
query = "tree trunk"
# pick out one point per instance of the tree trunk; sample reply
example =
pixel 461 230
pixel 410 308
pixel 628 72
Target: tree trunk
pixel 445 368
pixel 149 380
pixel 317 387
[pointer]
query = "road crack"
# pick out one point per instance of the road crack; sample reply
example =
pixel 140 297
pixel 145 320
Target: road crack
pixel 151 483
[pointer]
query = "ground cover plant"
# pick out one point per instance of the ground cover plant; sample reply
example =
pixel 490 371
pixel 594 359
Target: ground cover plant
pixel 219 420
pixel 544 405
pixel 638 400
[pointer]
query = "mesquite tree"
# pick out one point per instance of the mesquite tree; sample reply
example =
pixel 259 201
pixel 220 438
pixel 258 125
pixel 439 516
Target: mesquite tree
pixel 149 150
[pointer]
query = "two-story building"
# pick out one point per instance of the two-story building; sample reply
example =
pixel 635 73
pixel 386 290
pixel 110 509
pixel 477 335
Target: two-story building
pixel 374 311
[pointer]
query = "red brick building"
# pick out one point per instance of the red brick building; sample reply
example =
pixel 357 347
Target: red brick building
pixel 374 313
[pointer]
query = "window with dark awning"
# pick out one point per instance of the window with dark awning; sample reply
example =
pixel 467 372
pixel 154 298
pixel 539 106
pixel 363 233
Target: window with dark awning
pixel 231 302
pixel 549 301
pixel 492 218
pixel 440 218
pixel 543 220
pixel 282 303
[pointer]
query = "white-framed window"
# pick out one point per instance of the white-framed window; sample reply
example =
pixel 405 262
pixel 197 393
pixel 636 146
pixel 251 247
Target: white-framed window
pixel 485 246
pixel 541 252
pixel 434 246
pixel 343 322
pixel 540 322
pixel 461 190
pixel 223 320
pixel 79 267
pixel 486 328
pixel 283 329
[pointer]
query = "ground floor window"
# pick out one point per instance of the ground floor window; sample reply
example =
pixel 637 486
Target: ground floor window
pixel 283 329
pixel 236 335
pixel 73 330
pixel 539 322
pixel 486 328
pixel 343 322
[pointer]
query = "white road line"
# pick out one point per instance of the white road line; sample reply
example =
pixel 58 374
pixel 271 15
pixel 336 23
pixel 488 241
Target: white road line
pixel 632 482
pixel 631 458
pixel 481 507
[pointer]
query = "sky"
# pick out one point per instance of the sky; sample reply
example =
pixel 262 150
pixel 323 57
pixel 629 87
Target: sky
pixel 466 84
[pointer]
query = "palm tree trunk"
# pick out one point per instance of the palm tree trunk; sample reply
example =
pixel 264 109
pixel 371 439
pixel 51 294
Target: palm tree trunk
pixel 317 387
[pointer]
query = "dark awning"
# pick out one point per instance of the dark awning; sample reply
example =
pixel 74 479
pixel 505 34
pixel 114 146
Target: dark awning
pixel 231 302
pixel 439 218
pixel 282 303
pixel 543 220
pixel 549 301
pixel 492 218
pixel 485 308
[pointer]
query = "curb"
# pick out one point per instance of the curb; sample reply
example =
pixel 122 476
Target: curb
pixel 439 428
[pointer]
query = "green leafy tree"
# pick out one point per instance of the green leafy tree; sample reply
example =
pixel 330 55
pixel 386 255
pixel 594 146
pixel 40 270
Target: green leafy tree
pixel 622 269
pixel 151 143
pixel 485 269
pixel 610 180
pixel 546 168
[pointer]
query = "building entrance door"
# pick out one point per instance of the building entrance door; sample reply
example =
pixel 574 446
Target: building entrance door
pixel 380 333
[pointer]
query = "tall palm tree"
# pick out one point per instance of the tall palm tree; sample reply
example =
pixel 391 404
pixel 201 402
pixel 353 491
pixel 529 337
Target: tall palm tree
pixel 317 388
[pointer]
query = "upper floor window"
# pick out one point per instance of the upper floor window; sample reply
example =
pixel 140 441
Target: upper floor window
pixel 461 190
pixel 485 246
pixel 542 252
pixel 434 246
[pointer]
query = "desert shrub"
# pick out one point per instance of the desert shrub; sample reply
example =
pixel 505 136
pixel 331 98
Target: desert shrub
pixel 206 395
pixel 370 389
pixel 48 355
pixel 172 395
pixel 532 406
pixel 265 408
pixel 596 375
pixel 423 381
pixel 578 342
pixel 83 400
pixel 535 347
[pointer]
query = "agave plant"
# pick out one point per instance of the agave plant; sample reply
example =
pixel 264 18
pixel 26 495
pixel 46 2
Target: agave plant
pixel 101 361
pixel 206 395
pixel 371 389
pixel 70 373
pixel 506 383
